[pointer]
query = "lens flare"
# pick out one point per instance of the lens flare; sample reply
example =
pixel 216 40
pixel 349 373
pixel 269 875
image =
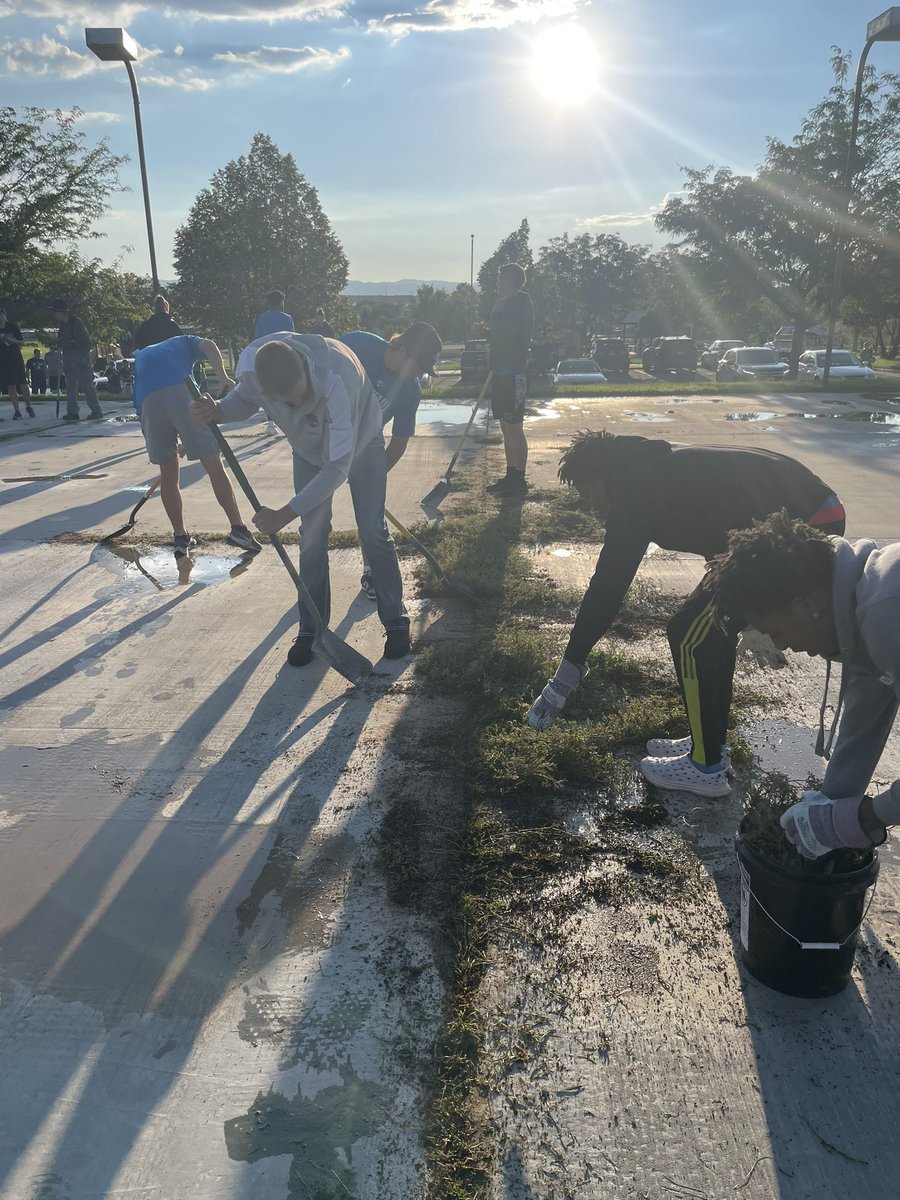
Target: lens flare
pixel 565 65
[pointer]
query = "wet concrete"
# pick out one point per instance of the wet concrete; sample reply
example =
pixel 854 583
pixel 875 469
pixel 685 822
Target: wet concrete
pixel 157 567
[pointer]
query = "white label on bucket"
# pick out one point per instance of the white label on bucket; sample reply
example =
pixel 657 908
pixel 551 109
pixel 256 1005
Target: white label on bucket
pixel 745 908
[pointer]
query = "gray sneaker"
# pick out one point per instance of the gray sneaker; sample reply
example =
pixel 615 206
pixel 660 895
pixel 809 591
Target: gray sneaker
pixel 367 584
pixel 241 536
pixel 183 543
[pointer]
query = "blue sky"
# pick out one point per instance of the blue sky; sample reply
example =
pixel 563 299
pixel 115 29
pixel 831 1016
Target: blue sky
pixel 421 123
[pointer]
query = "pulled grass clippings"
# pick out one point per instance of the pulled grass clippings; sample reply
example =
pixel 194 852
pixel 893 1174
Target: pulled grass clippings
pixel 769 797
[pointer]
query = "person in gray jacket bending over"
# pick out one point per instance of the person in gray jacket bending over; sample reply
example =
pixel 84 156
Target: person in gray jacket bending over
pixel 316 391
pixel 834 599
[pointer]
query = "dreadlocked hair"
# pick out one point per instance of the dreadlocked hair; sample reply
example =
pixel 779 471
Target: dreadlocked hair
pixel 768 566
pixel 585 456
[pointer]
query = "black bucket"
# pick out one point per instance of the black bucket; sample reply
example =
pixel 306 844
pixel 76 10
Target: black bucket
pixel 798 930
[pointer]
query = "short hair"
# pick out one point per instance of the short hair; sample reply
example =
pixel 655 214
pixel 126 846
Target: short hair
pixel 514 273
pixel 160 304
pixel 275 299
pixel 278 368
pixel 767 567
pixel 423 342
pixel 587 455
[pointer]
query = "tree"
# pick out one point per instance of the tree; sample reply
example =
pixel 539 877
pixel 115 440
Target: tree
pixel 258 226
pixel 514 248
pixel 772 234
pixel 599 280
pixel 53 186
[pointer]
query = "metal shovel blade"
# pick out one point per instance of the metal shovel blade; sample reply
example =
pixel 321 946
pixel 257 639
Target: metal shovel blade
pixel 348 662
pixel 456 585
pixel 437 493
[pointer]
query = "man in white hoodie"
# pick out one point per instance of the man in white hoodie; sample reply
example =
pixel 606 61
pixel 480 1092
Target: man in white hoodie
pixel 836 599
pixel 317 392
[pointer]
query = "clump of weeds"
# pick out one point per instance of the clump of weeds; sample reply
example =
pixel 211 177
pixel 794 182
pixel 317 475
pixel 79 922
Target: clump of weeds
pixel 558 515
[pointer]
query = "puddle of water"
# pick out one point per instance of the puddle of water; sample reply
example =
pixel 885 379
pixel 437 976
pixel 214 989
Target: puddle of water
pixel 447 414
pixel 48 478
pixel 674 400
pixel 134 419
pixel 156 568
pixel 649 418
pixel 545 413
pixel 561 553
pixel 752 416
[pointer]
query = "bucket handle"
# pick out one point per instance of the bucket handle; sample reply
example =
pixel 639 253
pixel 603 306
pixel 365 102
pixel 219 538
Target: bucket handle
pixel 745 879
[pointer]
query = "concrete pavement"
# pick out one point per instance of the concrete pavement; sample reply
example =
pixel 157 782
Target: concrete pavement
pixel 205 988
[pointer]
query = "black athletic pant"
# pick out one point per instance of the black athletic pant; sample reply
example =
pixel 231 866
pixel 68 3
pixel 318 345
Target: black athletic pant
pixel 703 651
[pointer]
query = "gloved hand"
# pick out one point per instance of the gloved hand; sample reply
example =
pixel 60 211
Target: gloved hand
pixel 817 825
pixel 761 646
pixel 549 703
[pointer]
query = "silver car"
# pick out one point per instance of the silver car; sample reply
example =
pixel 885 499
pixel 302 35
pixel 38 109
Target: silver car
pixel 751 362
pixel 710 358
pixel 844 365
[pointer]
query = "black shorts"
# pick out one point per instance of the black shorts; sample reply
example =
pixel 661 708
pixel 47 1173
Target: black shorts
pixel 12 370
pixel 508 398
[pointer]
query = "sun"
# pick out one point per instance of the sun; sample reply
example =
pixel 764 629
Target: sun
pixel 565 65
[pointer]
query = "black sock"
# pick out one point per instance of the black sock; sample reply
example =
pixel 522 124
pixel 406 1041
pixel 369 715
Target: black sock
pixel 515 473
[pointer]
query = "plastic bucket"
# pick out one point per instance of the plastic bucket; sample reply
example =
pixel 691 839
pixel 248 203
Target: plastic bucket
pixel 799 930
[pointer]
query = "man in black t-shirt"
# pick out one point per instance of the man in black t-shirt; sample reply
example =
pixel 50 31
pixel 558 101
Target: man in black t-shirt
pixel 12 366
pixel 512 324
pixel 688 499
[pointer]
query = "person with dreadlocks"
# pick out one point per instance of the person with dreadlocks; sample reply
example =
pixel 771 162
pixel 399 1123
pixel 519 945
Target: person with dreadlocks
pixel 688 499
pixel 835 599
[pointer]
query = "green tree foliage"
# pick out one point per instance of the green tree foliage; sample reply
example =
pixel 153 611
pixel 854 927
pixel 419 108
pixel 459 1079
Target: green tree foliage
pixel 257 226
pixel 53 185
pixel 598 280
pixel 515 247
pixel 771 235
pixel 453 314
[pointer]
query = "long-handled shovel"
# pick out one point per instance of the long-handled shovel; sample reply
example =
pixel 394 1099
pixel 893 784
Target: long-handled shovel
pixel 134 512
pixel 345 660
pixel 440 490
pixel 455 585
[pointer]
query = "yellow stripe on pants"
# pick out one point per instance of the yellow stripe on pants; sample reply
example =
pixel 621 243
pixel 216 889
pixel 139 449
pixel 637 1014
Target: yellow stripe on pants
pixel 693 638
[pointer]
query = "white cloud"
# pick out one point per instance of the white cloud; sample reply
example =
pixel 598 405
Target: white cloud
pixel 44 56
pixel 184 83
pixel 443 16
pixel 126 11
pixel 101 118
pixel 628 219
pixel 285 60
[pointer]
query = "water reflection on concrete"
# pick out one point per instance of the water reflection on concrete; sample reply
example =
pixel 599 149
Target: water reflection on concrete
pixel 157 568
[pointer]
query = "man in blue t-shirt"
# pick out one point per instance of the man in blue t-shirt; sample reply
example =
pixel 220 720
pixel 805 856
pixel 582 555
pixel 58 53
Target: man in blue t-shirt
pixel 163 401
pixel 274 319
pixel 393 369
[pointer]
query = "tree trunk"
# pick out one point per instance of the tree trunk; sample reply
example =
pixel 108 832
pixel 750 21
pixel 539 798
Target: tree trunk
pixel 797 345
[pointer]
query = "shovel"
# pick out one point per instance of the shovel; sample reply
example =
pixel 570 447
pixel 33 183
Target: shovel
pixel 455 585
pixel 440 490
pixel 346 661
pixel 134 512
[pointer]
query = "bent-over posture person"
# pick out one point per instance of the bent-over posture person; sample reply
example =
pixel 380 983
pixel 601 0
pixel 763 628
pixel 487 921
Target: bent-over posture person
pixel 317 392
pixel 687 499
pixel 163 402
pixel 834 599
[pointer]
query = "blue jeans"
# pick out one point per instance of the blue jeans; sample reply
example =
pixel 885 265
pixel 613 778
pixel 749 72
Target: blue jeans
pixel 368 484
pixel 79 374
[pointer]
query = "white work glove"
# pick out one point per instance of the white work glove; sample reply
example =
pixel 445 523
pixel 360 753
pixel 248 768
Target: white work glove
pixel 549 703
pixel 761 646
pixel 816 825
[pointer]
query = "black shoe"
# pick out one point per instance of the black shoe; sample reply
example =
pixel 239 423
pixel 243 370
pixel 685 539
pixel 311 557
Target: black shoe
pixel 498 488
pixel 97 416
pixel 17 416
pixel 182 544
pixel 29 410
pixel 397 644
pixel 71 417
pixel 301 652
pixel 516 491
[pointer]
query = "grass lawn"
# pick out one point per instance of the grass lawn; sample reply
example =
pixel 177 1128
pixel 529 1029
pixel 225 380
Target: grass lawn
pixel 699 387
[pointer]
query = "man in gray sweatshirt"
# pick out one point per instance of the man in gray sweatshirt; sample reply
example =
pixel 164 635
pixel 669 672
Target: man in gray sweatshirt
pixel 316 391
pixel 836 599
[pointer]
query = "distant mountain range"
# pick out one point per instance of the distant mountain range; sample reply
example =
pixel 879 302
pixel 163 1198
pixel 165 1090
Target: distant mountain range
pixel 397 287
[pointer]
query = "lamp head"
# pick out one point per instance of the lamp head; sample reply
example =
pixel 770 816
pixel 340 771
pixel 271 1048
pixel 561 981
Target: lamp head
pixel 885 28
pixel 111 45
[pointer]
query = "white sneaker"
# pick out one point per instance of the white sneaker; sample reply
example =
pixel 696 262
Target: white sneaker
pixel 679 774
pixel 674 747
pixel 271 429
pixel 367 584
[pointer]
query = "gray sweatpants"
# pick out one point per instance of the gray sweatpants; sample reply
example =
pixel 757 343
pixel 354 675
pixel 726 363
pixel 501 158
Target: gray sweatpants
pixel 79 373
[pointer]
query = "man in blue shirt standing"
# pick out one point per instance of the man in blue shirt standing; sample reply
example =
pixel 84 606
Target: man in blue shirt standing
pixel 163 401
pixel 393 368
pixel 274 319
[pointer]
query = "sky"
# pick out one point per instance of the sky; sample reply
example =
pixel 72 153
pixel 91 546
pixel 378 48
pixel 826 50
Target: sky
pixel 421 124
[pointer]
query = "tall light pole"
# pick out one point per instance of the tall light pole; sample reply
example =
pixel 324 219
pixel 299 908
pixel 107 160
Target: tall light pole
pixel 885 28
pixel 472 262
pixel 116 45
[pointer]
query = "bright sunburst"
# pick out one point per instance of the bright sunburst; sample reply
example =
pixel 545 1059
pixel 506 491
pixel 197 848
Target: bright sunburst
pixel 565 65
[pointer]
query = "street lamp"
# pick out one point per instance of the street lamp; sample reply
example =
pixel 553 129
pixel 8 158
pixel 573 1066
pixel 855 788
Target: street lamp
pixel 885 28
pixel 117 45
pixel 472 262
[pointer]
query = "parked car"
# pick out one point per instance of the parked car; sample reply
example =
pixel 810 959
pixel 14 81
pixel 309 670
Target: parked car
pixel 577 370
pixel 611 355
pixel 669 354
pixel 473 362
pixel 751 362
pixel 710 357
pixel 844 365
